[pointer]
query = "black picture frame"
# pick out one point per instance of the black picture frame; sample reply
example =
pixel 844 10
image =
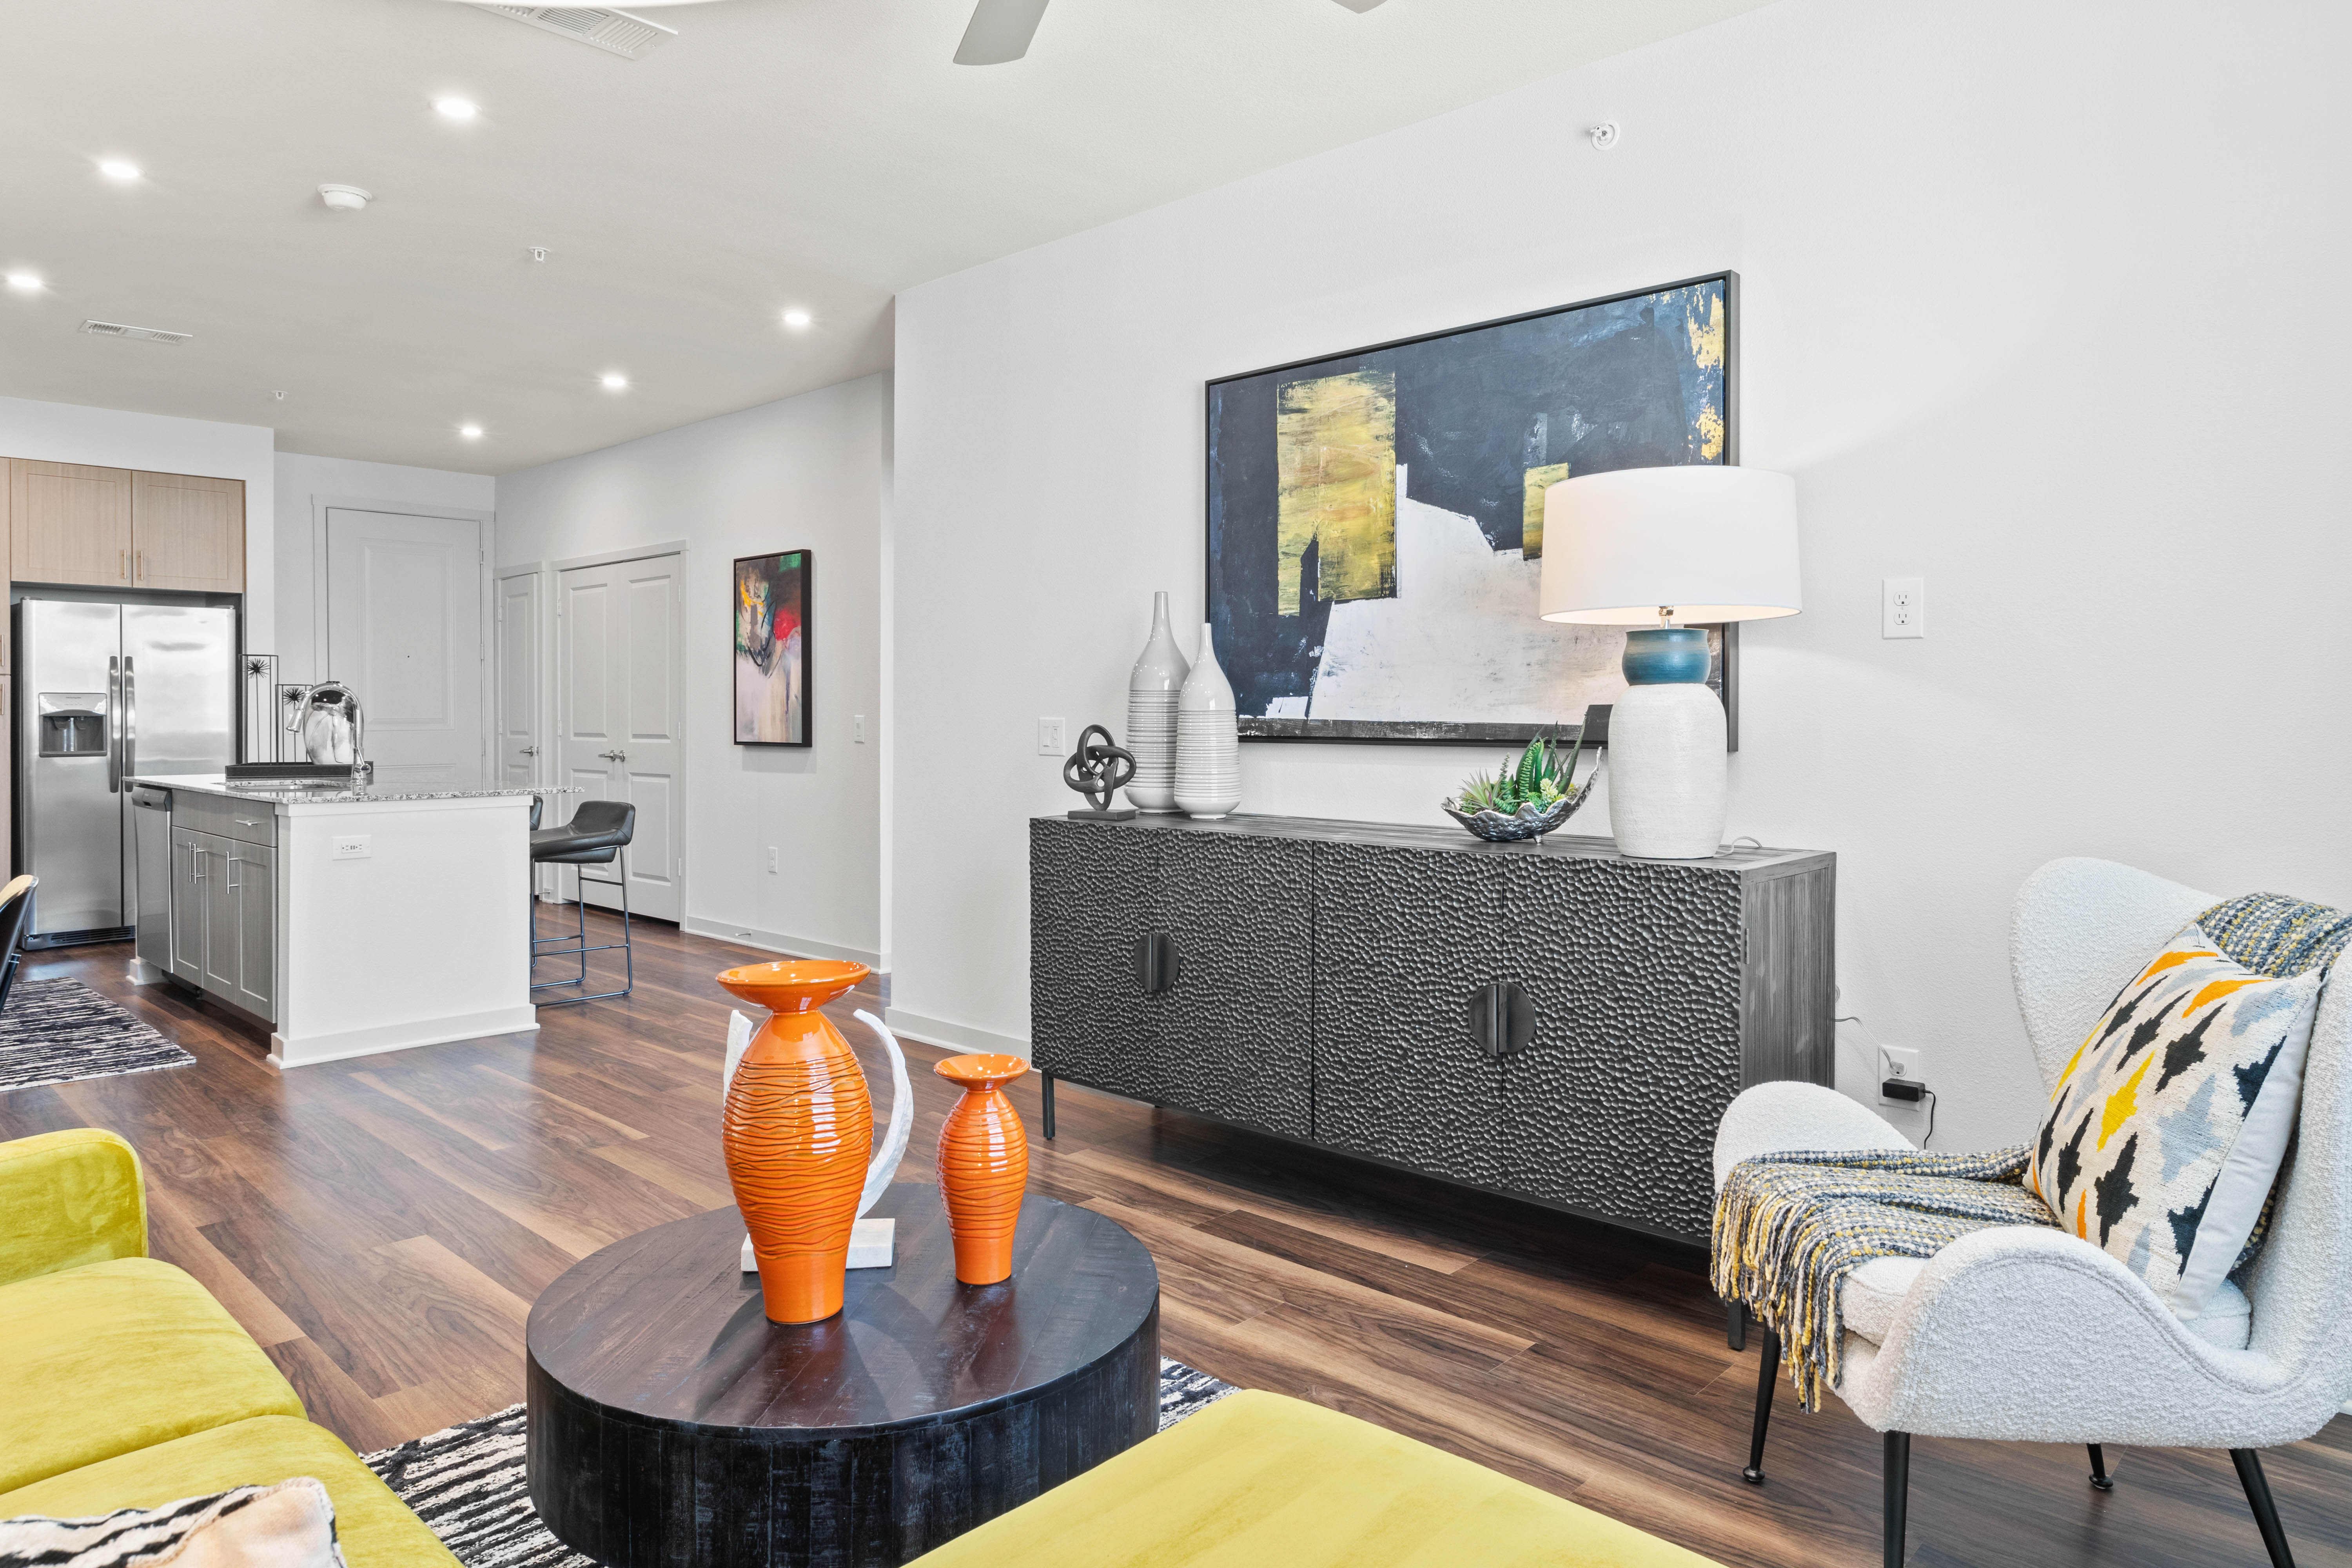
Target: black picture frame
pixel 803 666
pixel 1724 678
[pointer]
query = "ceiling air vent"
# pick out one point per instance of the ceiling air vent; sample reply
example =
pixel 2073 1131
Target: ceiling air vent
pixel 616 32
pixel 144 334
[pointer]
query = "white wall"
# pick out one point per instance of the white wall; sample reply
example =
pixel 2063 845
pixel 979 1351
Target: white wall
pixel 307 483
pixel 807 473
pixel 112 438
pixel 2038 302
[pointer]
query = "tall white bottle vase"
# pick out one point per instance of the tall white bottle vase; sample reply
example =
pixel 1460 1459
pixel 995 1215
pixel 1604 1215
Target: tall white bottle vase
pixel 1208 738
pixel 1667 777
pixel 1151 693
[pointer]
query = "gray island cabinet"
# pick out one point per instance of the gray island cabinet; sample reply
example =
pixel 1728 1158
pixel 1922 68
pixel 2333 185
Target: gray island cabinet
pixel 1563 1025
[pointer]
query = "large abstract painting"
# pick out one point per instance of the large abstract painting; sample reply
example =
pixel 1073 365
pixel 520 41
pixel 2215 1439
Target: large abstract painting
pixel 772 650
pixel 1376 518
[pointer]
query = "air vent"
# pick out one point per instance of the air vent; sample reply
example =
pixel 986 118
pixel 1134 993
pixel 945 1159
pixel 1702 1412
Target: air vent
pixel 616 32
pixel 144 334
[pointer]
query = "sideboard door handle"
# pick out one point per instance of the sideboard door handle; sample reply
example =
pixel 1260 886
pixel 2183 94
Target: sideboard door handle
pixel 1502 1019
pixel 1158 964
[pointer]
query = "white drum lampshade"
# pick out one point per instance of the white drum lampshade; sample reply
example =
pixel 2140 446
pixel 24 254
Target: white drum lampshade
pixel 1669 551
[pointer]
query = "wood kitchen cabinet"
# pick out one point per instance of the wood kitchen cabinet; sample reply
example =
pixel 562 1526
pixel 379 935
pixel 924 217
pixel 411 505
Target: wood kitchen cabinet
pixel 187 533
pixel 68 523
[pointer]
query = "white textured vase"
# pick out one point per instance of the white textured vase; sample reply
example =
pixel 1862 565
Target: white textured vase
pixel 1151 693
pixel 1208 738
pixel 1667 778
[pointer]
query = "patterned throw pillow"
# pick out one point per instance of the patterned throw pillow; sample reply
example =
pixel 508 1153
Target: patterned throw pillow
pixel 288 1525
pixel 2167 1128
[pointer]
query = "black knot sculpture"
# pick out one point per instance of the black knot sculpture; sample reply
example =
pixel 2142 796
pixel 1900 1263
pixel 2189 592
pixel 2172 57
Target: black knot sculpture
pixel 1097 770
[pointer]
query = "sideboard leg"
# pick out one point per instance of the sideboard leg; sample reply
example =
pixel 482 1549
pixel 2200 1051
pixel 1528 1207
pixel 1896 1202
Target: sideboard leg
pixel 1046 1084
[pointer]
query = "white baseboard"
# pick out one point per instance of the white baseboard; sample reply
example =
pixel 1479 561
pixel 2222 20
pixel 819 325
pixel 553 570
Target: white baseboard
pixel 785 943
pixel 343 1044
pixel 956 1037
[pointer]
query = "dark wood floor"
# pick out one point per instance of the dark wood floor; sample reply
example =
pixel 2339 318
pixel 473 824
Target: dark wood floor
pixel 382 1227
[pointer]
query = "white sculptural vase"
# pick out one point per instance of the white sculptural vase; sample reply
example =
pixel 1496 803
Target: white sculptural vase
pixel 1152 689
pixel 1667 778
pixel 1208 739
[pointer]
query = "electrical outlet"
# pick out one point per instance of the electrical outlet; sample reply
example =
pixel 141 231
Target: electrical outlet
pixel 1899 1063
pixel 774 866
pixel 1903 607
pixel 857 729
pixel 353 847
pixel 1050 741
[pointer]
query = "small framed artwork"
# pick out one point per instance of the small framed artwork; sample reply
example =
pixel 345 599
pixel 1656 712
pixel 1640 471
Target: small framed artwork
pixel 772 650
pixel 1375 517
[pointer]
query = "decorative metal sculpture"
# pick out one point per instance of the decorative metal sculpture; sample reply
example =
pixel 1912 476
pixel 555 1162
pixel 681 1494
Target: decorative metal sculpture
pixel 1097 770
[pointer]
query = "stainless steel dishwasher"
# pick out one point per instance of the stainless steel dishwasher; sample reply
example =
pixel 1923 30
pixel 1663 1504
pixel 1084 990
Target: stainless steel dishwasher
pixel 150 817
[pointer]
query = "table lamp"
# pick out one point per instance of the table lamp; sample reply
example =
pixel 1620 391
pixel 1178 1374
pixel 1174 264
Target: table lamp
pixel 1655 548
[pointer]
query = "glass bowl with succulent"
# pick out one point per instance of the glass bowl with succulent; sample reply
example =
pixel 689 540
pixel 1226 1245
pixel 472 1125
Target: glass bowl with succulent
pixel 1533 793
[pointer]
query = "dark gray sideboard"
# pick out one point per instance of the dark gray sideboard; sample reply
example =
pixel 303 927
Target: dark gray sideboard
pixel 1564 1025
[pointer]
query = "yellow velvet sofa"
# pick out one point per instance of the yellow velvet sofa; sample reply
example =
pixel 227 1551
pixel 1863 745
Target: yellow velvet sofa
pixel 126 1384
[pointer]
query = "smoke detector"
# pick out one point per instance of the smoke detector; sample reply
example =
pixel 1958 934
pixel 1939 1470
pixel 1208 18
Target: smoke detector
pixel 345 198
pixel 615 32
pixel 144 334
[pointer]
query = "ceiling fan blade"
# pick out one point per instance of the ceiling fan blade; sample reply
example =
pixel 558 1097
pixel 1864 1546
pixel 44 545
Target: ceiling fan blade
pixel 1360 6
pixel 1000 30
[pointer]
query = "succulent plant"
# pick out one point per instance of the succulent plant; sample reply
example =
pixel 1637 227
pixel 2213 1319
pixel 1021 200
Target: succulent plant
pixel 1538 775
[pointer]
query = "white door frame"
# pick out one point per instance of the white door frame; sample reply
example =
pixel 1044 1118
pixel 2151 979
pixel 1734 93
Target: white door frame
pixel 486 539
pixel 559 806
pixel 537 641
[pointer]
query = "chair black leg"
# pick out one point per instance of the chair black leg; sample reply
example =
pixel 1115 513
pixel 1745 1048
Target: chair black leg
pixel 2258 1498
pixel 1898 1493
pixel 1768 1373
pixel 2099 1477
pixel 1045 1088
pixel 1734 1325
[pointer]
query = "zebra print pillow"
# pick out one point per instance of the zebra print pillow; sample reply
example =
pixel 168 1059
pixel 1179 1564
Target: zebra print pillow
pixel 288 1525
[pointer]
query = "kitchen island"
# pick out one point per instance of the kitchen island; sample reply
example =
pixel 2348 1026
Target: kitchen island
pixel 347 921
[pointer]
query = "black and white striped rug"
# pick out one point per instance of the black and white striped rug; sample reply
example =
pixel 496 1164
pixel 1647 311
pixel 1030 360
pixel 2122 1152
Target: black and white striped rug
pixel 467 1482
pixel 57 1031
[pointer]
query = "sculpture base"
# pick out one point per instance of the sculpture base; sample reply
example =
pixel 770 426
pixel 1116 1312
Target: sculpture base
pixel 1115 814
pixel 873 1244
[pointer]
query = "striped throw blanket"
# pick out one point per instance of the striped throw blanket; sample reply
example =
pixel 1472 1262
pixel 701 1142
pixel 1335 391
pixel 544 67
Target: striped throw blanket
pixel 1790 1226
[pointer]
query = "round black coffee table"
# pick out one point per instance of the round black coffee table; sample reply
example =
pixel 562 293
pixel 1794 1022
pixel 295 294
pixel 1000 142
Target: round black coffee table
pixel 672 1424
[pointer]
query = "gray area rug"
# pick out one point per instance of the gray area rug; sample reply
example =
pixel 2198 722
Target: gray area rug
pixel 60 1031
pixel 467 1482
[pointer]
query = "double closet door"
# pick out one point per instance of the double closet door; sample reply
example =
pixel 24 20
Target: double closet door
pixel 618 701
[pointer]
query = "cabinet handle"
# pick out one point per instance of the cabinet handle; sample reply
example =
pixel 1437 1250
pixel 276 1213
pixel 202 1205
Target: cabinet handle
pixel 244 822
pixel 139 559
pixel 1158 965
pixel 122 563
pixel 1502 1019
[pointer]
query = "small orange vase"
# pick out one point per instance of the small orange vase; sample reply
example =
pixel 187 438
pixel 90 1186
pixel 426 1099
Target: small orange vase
pixel 798 1129
pixel 984 1166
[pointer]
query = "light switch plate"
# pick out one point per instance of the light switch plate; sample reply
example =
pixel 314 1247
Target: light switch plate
pixel 858 726
pixel 353 847
pixel 1050 741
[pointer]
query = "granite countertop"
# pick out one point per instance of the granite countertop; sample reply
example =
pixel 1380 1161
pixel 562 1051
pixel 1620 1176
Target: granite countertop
pixel 281 795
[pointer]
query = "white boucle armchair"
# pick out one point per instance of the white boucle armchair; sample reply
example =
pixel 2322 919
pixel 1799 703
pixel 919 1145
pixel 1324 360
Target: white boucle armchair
pixel 2036 1335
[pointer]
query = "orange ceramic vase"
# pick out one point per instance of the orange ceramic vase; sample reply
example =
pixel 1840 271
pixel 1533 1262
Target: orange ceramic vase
pixel 798 1129
pixel 984 1166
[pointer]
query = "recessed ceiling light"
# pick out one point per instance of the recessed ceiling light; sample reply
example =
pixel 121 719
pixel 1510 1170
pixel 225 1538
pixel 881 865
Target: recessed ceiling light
pixel 614 381
pixel 797 318
pixel 456 107
pixel 471 432
pixel 117 169
pixel 25 280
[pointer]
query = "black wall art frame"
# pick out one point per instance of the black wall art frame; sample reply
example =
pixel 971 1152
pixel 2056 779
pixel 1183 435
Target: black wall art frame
pixel 774 596
pixel 1375 517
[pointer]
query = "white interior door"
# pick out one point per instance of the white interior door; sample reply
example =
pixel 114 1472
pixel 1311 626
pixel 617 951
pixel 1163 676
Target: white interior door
pixel 619 696
pixel 518 718
pixel 405 628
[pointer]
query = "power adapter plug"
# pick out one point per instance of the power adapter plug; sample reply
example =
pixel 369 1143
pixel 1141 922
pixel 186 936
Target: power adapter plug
pixel 1910 1091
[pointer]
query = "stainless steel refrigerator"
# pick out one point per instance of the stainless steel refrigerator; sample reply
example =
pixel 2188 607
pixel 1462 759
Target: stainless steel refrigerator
pixel 106 691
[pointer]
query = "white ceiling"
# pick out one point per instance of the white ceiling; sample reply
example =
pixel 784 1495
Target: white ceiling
pixel 817 153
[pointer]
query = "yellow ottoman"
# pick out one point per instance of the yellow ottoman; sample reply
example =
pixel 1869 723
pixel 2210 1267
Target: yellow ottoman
pixel 110 1357
pixel 374 1528
pixel 1257 1481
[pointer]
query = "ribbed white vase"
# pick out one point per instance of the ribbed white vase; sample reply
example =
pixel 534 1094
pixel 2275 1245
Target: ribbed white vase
pixel 1667 779
pixel 1208 738
pixel 1151 693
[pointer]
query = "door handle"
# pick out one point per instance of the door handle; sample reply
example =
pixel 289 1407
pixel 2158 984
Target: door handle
pixel 1158 963
pixel 531 751
pixel 1502 1019
pixel 615 756
pixel 113 724
pixel 130 718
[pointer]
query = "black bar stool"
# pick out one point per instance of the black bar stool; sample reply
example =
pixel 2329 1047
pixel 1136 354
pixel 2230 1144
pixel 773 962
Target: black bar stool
pixel 597 835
